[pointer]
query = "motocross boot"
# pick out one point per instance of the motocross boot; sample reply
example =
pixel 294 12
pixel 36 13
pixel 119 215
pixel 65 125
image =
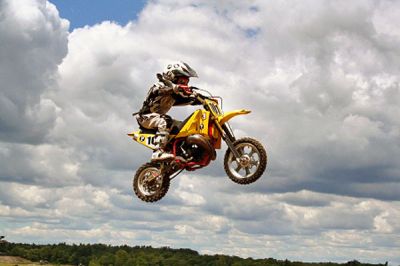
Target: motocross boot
pixel 160 154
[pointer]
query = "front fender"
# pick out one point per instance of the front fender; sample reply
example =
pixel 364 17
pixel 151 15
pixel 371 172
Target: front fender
pixel 228 115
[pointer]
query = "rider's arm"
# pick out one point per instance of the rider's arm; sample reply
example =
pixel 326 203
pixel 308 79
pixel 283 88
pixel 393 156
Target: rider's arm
pixel 165 87
pixel 185 100
pixel 162 89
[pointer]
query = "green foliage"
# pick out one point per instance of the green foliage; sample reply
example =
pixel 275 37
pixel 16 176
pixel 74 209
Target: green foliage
pixel 121 258
pixel 105 255
pixel 94 262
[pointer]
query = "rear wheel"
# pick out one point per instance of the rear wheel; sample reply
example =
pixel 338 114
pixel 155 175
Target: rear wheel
pixel 251 164
pixel 149 184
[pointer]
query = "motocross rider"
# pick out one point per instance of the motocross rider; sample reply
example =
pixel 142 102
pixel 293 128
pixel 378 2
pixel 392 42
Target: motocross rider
pixel 171 90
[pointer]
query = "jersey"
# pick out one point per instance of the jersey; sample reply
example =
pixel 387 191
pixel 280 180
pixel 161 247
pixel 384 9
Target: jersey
pixel 161 98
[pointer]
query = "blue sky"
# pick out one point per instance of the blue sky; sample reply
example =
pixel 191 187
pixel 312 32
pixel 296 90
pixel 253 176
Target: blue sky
pixel 86 12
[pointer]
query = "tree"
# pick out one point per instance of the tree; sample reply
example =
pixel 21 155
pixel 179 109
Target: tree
pixel 18 251
pixel 222 260
pixel 121 257
pixel 94 262
pixel 107 259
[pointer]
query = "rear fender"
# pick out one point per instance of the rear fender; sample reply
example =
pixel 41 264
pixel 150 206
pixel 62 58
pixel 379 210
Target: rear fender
pixel 147 140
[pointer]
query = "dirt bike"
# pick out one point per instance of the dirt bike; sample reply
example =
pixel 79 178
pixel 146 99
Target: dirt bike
pixel 193 143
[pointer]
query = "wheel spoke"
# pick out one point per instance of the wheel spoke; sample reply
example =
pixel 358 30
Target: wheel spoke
pixel 254 162
pixel 252 152
pixel 240 150
pixel 237 169
pixel 149 183
pixel 247 171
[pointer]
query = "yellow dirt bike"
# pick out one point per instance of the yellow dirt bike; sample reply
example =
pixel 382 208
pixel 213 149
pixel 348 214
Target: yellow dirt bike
pixel 193 143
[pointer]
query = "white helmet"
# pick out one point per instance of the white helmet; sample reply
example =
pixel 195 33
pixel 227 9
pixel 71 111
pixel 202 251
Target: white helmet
pixel 178 69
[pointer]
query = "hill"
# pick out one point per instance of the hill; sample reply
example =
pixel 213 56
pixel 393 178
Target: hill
pixel 13 260
pixel 100 254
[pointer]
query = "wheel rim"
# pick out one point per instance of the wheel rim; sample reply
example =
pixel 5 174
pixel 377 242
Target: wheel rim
pixel 248 162
pixel 150 181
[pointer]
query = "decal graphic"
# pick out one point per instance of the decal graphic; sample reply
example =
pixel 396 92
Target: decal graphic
pixel 151 140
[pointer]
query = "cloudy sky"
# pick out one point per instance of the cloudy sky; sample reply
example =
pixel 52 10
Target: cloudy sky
pixel 322 80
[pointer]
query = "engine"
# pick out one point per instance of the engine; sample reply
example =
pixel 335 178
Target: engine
pixel 197 147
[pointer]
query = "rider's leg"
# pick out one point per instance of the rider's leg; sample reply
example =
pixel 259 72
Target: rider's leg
pixel 161 122
pixel 162 139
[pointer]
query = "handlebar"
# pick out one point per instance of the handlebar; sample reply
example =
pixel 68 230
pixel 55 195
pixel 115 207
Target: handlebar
pixel 210 97
pixel 193 92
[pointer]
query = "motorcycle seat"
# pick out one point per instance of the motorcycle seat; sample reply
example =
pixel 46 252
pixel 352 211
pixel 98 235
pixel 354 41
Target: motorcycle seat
pixel 144 130
pixel 176 127
pixel 175 130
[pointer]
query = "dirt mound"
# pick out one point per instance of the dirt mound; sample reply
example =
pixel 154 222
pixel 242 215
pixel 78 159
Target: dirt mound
pixel 13 260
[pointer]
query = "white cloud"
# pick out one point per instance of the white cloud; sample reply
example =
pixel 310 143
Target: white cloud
pixel 320 77
pixel 34 41
pixel 254 224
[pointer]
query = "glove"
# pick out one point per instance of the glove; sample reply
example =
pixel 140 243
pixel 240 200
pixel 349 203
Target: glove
pixel 185 89
pixel 182 90
pixel 167 82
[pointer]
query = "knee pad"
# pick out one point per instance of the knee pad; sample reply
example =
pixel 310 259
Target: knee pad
pixel 168 119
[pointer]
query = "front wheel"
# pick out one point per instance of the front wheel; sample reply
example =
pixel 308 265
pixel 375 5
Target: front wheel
pixel 250 165
pixel 149 184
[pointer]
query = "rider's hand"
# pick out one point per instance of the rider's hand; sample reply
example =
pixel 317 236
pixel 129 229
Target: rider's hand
pixel 185 90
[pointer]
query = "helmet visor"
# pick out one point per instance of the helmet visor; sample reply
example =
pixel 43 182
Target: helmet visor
pixel 188 71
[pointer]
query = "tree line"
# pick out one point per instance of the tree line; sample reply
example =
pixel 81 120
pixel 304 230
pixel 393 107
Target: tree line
pixel 105 255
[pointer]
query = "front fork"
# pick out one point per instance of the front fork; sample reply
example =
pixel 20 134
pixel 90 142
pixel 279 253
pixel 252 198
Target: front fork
pixel 228 137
